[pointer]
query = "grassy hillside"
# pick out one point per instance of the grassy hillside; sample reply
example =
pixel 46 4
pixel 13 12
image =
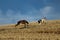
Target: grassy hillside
pixel 35 31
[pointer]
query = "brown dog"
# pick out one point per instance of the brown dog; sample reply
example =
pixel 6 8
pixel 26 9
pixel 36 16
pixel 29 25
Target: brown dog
pixel 22 22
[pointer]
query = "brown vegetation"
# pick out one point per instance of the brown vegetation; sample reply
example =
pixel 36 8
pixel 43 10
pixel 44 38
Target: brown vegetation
pixel 35 31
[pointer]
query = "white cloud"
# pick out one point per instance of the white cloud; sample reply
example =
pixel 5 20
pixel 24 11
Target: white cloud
pixel 46 10
pixel 32 15
pixel 12 15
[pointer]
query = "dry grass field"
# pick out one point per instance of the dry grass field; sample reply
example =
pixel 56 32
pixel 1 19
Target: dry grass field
pixel 35 31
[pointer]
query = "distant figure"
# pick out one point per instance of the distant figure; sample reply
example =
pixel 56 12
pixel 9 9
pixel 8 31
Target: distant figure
pixel 43 20
pixel 22 22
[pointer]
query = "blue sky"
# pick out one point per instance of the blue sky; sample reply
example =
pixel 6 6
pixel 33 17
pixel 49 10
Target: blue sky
pixel 13 10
